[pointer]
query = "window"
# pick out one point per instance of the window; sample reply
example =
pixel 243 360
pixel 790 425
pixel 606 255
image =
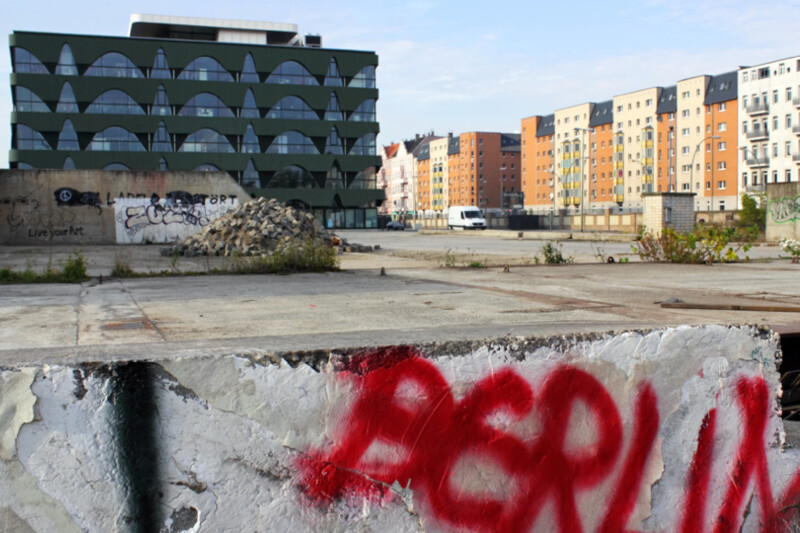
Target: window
pixel 249 108
pixel 205 69
pixel 721 146
pixel 66 102
pixel 249 75
pixel 250 143
pixel 333 144
pixel 365 112
pixel 66 62
pixel 788 148
pixel 775 96
pixel 115 139
pixel 722 126
pixel 161 103
pixel 685 132
pixel 788 121
pixel 114 65
pixel 332 77
pixel 685 113
pixel 160 68
pixel 722 165
pixel 365 78
pixel 161 140
pixel 722 106
pixel 774 124
pixel 115 102
pixel 333 112
pixel 27 101
pixel 788 94
pixel 293 108
pixel 27 63
pixel 291 73
pixel 685 150
pixel 774 149
pixel 205 105
pixel 207 140
pixel 292 142
pixel 68 139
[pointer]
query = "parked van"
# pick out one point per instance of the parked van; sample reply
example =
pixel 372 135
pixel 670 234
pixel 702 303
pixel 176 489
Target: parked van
pixel 465 217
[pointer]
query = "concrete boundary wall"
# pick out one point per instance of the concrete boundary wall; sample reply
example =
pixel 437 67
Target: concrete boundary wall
pixel 107 207
pixel 782 204
pixel 668 430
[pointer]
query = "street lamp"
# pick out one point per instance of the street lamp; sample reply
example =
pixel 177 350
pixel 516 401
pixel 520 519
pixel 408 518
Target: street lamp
pixel 697 149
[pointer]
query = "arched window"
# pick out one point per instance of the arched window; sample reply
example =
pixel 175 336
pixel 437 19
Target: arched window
pixel 249 74
pixel 26 100
pixel 332 78
pixel 334 179
pixel 30 139
pixel 115 139
pixel 333 145
pixel 292 107
pixel 205 105
pixel 250 175
pixel 27 63
pixel 162 164
pixel 292 177
pixel 68 139
pixel 161 103
pixel 208 141
pixel 66 102
pixel 115 102
pixel 291 73
pixel 160 68
pixel 365 79
pixel 250 142
pixel 292 142
pixel 205 69
pixel 66 62
pixel 365 145
pixel 249 107
pixel 114 65
pixel 69 164
pixel 365 112
pixel 334 112
pixel 161 140
pixel 116 166
pixel 207 167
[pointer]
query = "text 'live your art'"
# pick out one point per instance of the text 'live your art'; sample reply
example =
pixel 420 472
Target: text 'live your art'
pixel 406 426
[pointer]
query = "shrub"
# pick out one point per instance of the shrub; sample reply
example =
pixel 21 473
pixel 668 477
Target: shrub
pixel 750 215
pixel 307 256
pixel 74 269
pixel 704 244
pixel 553 256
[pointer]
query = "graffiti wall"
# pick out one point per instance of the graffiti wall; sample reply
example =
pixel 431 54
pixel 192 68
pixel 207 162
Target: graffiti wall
pixel 107 207
pixel 783 211
pixel 671 430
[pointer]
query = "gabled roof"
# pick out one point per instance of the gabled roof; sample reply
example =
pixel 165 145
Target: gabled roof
pixel 668 101
pixel 722 88
pixel 602 113
pixel 453 146
pixel 510 142
pixel 424 152
pixel 423 143
pixel 391 150
pixel 547 126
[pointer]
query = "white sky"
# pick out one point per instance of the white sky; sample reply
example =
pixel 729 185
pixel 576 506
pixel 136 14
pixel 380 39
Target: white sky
pixel 457 66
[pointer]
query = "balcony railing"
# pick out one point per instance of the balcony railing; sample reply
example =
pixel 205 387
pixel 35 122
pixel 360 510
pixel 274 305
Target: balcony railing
pixel 760 108
pixel 757 188
pixel 757 162
pixel 757 135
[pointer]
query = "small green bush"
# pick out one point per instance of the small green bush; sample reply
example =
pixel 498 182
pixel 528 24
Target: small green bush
pixel 74 270
pixel 750 215
pixel 477 264
pixel 704 244
pixel 121 269
pixel 449 258
pixel 553 256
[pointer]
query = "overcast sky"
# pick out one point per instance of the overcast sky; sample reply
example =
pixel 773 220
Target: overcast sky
pixel 457 66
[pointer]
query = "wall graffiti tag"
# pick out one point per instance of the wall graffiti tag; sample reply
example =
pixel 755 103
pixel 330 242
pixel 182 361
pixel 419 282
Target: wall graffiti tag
pixel 784 210
pixel 176 216
pixel 406 425
pixel 66 196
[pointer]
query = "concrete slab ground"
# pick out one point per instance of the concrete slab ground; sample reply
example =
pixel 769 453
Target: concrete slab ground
pixel 416 301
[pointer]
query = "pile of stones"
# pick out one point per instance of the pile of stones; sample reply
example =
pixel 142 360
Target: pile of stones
pixel 255 228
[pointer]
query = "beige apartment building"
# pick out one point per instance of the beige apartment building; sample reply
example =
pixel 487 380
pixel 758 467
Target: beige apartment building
pixel 439 174
pixel 572 140
pixel 691 134
pixel 634 133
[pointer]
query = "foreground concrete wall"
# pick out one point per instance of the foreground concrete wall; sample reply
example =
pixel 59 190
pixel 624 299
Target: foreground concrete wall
pixel 106 207
pixel 673 430
pixel 783 211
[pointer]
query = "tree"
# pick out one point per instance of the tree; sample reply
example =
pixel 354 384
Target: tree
pixel 751 215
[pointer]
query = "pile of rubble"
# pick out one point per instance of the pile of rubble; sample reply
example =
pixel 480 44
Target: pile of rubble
pixel 255 228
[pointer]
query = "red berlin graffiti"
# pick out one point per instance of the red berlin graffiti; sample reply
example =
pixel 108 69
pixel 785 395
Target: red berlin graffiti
pixel 434 432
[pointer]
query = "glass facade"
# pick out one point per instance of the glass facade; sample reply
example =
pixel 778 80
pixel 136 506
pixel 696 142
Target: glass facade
pixel 289 119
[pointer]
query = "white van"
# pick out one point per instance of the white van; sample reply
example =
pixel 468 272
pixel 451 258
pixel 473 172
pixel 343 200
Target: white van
pixel 465 217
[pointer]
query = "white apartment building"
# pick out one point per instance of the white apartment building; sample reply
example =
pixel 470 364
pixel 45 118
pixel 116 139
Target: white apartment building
pixel 769 124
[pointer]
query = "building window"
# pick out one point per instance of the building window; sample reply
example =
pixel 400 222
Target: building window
pixel 291 73
pixel 293 108
pixel 27 101
pixel 721 146
pixel 207 140
pixel 27 63
pixel 722 106
pixel 115 102
pixel 66 62
pixel 114 65
pixel 292 142
pixel 205 69
pixel 775 96
pixel 115 139
pixel 68 138
pixel 788 121
pixel 333 112
pixel 161 140
pixel 722 165
pixel 365 79
pixel 249 75
pixel 249 108
pixel 788 148
pixel 66 101
pixel 332 77
pixel 250 144
pixel 365 112
pixel 160 68
pixel 333 144
pixel 205 105
pixel 722 126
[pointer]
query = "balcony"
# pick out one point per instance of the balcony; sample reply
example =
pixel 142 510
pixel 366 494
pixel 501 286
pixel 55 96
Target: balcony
pixel 796 102
pixel 619 198
pixel 758 188
pixel 796 129
pixel 760 108
pixel 796 158
pixel 757 162
pixel 757 135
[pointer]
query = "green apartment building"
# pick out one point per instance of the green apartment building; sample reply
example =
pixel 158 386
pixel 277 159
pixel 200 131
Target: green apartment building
pixel 285 117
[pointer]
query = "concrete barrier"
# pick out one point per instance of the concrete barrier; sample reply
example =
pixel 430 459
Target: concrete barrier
pixel 669 430
pixel 107 207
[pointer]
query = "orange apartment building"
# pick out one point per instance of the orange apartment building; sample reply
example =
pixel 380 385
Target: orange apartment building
pixel 719 190
pixel 424 185
pixel 601 152
pixel 538 156
pixel 666 130
pixel 484 170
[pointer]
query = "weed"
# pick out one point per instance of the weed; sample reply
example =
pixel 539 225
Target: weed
pixel 624 260
pixel 553 256
pixel 308 256
pixel 121 269
pixel 599 254
pixel 74 269
pixel 449 258
pixel 173 263
pixel 704 244
pixel 476 264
